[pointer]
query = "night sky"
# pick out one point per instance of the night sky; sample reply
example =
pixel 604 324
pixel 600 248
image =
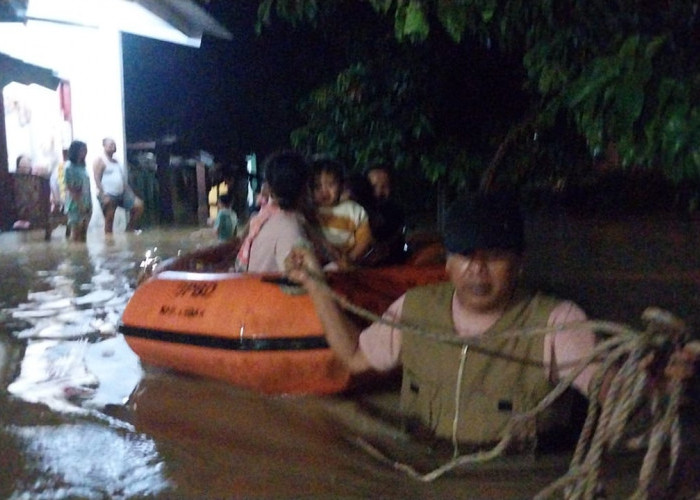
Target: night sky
pixel 230 98
pixel 236 97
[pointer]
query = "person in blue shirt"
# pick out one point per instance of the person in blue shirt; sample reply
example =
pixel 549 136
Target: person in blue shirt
pixel 226 219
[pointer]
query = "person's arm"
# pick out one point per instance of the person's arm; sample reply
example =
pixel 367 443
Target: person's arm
pixel 363 240
pixel 570 346
pixel 341 333
pixel 98 170
pixel 216 221
pixel 565 348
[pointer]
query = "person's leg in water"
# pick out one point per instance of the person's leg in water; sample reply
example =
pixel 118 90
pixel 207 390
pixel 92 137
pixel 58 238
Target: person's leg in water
pixel 109 207
pixel 134 206
pixel 82 231
pixel 78 230
pixel 75 220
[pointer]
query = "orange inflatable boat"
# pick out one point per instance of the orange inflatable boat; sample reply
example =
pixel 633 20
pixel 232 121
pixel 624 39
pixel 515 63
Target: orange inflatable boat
pixel 249 330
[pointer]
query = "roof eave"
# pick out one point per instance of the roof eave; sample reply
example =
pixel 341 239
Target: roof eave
pixel 187 17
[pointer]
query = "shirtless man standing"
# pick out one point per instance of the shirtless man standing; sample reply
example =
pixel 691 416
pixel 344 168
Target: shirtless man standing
pixel 113 190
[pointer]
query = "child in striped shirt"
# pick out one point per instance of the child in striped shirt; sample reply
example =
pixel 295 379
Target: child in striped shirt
pixel 345 224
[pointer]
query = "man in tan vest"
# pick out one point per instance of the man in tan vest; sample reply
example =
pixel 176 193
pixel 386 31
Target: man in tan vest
pixel 443 382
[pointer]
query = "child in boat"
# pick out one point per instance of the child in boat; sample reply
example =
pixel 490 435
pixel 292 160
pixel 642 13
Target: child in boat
pixel 226 219
pixel 344 223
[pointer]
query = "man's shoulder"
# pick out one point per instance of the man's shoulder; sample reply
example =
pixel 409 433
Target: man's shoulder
pixel 431 290
pixel 552 299
pixel 285 222
pixel 544 297
pixel 559 310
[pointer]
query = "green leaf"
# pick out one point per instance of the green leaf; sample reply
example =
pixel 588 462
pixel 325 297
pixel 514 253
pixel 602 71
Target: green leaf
pixel 416 25
pixel 629 102
pixel 629 48
pixel 382 6
pixel 488 11
pixel 654 46
pixel 453 16
pixel 263 15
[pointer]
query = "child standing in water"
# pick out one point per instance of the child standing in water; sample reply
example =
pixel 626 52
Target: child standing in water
pixel 226 219
pixel 345 223
pixel 78 205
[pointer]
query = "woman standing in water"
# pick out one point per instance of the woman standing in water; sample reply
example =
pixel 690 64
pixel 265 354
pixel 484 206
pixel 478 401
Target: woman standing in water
pixel 78 205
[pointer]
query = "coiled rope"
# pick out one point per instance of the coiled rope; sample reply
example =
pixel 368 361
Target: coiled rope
pixel 648 365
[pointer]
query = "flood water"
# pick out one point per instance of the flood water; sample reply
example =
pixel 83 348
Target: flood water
pixel 81 417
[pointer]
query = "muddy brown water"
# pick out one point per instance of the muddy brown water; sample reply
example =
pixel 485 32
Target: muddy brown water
pixel 81 417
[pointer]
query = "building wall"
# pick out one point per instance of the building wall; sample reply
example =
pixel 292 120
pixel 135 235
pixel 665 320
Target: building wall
pixel 91 60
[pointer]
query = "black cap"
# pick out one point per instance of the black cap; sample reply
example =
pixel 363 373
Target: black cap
pixel 484 222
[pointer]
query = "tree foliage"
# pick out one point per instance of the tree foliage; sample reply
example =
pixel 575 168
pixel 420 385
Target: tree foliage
pixel 366 116
pixel 401 107
pixel 421 108
pixel 602 72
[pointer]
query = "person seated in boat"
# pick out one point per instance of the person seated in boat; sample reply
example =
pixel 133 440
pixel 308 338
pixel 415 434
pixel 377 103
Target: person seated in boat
pixel 263 197
pixel 279 225
pixel 357 188
pixel 386 217
pixel 344 223
pixel 449 390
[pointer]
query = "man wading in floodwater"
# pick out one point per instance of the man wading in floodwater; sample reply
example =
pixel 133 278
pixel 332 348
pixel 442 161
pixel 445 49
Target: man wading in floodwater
pixel 113 190
pixel 484 239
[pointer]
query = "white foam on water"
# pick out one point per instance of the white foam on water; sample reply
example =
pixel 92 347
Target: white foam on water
pixel 33 313
pixel 87 460
pixel 46 296
pixel 52 372
pixel 103 277
pixel 96 297
pixel 104 327
pixel 56 304
pixel 116 367
pixel 48 331
pixel 117 302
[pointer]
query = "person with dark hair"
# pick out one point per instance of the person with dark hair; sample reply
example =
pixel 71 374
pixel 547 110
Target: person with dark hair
pixel 455 393
pixel 279 224
pixel 357 188
pixel 379 176
pixel 226 219
pixel 344 223
pixel 23 165
pixel 387 219
pixel 78 206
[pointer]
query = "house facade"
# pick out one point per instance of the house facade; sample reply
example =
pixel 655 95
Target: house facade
pixel 62 78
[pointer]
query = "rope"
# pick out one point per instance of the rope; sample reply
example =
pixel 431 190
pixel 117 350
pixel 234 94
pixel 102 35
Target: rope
pixel 458 394
pixel 641 356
